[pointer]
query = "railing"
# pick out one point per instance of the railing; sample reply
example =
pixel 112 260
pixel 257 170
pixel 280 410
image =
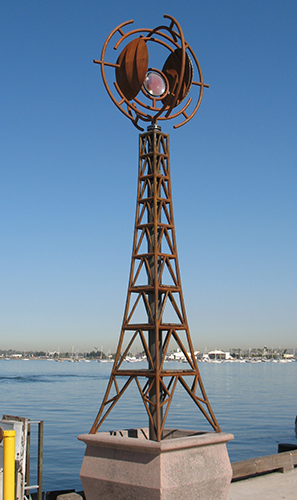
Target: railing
pixel 37 486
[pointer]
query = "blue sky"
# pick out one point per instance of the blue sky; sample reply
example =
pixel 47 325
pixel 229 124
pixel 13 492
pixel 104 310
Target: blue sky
pixel 68 163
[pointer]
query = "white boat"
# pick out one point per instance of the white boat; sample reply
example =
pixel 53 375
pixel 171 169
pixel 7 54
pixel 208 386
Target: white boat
pixel 131 359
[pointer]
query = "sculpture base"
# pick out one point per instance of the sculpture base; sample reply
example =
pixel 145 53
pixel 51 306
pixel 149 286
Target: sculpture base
pixel 125 465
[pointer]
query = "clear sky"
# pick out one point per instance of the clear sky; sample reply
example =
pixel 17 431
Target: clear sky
pixel 69 170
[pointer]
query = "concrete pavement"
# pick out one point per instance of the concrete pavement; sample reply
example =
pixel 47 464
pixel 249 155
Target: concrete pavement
pixel 274 486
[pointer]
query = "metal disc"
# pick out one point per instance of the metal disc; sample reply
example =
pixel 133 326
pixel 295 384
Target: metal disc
pixel 133 61
pixel 172 69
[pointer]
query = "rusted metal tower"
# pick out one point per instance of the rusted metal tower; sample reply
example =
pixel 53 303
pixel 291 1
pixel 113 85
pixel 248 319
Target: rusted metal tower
pixel 155 312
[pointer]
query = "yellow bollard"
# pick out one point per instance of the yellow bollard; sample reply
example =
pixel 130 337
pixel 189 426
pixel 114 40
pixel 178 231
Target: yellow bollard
pixel 9 465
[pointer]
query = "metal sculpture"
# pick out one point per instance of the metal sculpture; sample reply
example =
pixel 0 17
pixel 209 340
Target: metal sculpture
pixel 154 289
pixel 163 91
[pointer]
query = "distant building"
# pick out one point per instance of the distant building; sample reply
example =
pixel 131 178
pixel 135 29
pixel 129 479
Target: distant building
pixel 217 354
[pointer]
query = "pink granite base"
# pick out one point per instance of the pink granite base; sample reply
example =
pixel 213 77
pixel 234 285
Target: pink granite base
pixel 124 465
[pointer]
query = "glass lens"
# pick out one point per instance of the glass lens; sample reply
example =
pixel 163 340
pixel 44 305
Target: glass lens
pixel 154 84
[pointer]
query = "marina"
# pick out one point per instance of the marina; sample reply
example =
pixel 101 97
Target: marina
pixel 255 355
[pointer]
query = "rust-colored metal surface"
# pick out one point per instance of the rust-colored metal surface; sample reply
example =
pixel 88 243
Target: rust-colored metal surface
pixel 133 65
pixel 172 69
pixel 155 315
pixel 181 73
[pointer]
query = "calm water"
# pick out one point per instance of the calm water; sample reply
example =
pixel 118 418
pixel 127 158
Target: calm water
pixel 255 402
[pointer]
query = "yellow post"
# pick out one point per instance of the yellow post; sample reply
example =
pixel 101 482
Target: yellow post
pixel 9 465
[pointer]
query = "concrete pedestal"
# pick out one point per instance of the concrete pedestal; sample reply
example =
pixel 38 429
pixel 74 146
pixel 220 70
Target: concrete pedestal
pixel 125 465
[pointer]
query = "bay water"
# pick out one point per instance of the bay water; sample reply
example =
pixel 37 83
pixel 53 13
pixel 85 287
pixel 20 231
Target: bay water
pixel 255 402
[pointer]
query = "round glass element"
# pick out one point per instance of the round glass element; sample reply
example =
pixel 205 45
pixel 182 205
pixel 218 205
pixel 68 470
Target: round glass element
pixel 154 84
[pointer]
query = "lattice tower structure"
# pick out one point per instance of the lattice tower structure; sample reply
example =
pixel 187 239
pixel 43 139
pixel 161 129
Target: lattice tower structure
pixel 154 295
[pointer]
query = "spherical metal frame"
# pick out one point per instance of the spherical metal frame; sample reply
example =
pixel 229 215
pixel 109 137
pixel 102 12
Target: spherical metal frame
pixel 136 109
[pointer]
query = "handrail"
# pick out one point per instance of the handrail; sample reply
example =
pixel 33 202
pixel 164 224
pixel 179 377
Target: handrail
pixel 39 459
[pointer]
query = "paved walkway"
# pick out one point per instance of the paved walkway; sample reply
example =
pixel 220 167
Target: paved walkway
pixel 274 486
